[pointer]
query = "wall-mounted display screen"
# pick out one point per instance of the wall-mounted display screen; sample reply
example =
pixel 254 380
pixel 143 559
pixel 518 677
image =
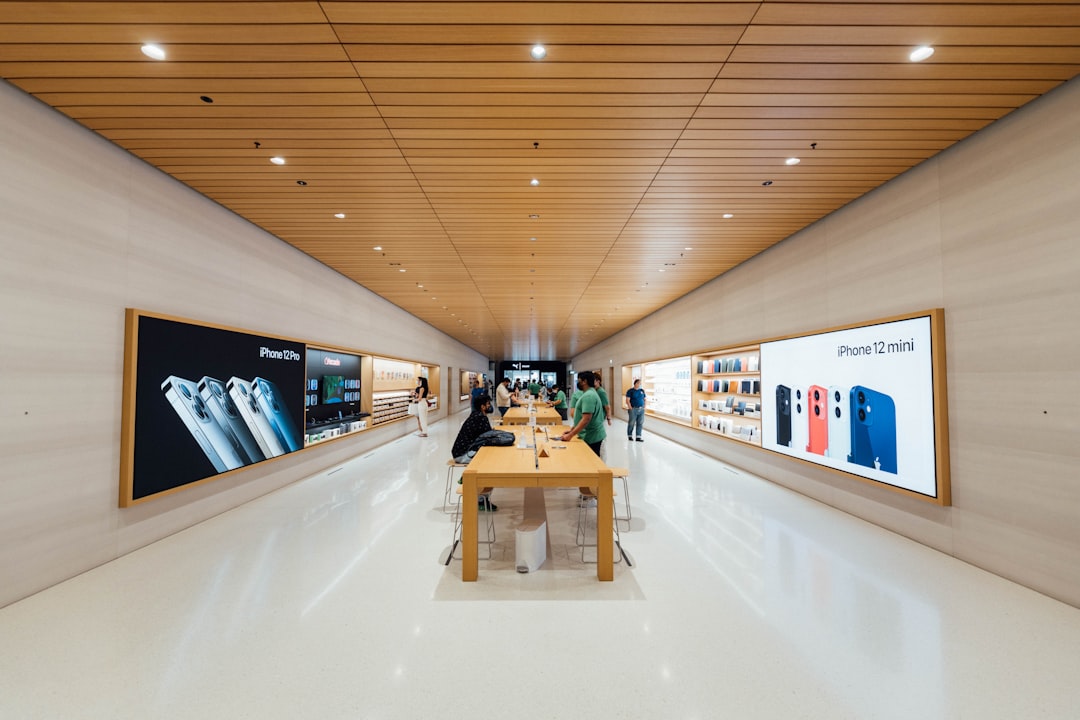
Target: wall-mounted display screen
pixel 201 400
pixel 861 400
pixel 333 385
pixel 333 389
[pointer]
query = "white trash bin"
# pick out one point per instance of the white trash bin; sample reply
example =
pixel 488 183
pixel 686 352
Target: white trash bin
pixel 530 545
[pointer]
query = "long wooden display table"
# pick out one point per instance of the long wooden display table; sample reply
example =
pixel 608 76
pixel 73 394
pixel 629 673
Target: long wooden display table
pixel 568 464
pixel 520 416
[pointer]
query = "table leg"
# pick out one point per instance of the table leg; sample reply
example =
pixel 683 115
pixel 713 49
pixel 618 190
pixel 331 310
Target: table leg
pixel 605 568
pixel 469 553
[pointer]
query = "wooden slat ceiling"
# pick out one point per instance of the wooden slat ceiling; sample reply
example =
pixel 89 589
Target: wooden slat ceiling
pixel 647 123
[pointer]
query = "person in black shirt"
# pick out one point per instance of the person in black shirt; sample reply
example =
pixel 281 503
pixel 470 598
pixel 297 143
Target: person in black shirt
pixel 474 426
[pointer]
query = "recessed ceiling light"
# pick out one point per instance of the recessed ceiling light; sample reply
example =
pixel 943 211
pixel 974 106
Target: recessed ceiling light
pixel 661 269
pixel 538 52
pixel 278 160
pixel 153 51
pixel 688 248
pixel 921 53
pixel 301 182
pixel 532 239
pixel 792 161
pixel 206 98
pixel 377 247
pixel 728 216
pixel 419 285
pixel 401 269
pixel 534 216
pixel 534 182
pixel 767 183
pixel 339 216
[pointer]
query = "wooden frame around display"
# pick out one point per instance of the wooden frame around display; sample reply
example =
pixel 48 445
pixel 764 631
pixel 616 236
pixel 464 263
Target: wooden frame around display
pixel 131 382
pixel 942 495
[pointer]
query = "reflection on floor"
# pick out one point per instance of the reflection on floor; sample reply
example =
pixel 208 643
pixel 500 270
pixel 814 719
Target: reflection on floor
pixel 329 599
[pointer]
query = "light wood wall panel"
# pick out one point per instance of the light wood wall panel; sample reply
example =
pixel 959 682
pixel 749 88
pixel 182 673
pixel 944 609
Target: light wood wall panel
pixel 986 230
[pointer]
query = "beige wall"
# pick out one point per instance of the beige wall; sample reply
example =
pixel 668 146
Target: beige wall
pixel 989 230
pixel 85 231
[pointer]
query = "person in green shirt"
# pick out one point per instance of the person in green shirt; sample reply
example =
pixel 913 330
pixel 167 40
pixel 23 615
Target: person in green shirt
pixel 603 396
pixel 534 388
pixel 590 415
pixel 557 400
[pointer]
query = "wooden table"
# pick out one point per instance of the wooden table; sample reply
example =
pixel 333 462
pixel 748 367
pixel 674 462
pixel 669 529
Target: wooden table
pixel 569 464
pixel 520 416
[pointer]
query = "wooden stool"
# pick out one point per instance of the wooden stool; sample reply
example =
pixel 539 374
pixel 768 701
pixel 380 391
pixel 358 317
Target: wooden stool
pixel 623 474
pixel 588 495
pixel 450 466
pixel 457 526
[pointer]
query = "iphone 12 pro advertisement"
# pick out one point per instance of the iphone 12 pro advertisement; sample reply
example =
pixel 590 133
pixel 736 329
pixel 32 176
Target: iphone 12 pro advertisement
pixel 860 400
pixel 209 400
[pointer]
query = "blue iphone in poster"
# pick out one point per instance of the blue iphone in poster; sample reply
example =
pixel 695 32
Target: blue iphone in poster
pixel 873 429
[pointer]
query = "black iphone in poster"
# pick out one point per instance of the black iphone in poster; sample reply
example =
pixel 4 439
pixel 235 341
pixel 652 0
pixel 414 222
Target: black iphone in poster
pixel 210 400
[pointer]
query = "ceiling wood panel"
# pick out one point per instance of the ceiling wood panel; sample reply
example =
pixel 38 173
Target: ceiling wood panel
pixel 417 120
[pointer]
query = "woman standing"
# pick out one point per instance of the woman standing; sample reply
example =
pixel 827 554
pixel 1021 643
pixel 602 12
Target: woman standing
pixel 419 396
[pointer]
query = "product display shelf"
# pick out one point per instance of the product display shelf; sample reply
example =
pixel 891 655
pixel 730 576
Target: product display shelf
pixel 727 394
pixel 667 389
pixel 389 406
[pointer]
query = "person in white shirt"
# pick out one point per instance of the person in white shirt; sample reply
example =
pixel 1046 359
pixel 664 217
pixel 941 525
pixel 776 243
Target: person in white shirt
pixel 502 396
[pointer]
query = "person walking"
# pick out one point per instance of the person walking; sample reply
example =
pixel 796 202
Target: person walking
pixel 420 399
pixel 635 406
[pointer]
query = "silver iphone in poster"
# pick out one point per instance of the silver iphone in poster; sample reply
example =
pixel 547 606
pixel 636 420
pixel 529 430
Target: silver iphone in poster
pixel 220 449
pixel 839 423
pixel 256 421
pixel 800 422
pixel 269 399
pixel 221 405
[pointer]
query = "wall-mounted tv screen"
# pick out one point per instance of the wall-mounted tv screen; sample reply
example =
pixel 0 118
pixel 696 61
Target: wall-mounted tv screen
pixel 333 389
pixel 333 385
pixel 865 400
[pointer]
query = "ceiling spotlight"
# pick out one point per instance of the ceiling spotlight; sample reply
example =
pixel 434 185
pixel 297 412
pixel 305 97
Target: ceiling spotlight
pixel 539 52
pixel 278 160
pixel 532 239
pixel 301 182
pixel 792 161
pixel 534 216
pixel 767 183
pixel 401 269
pixel 534 182
pixel 728 216
pixel 921 53
pixel 339 216
pixel 206 99
pixel 688 248
pixel 153 51
pixel 377 247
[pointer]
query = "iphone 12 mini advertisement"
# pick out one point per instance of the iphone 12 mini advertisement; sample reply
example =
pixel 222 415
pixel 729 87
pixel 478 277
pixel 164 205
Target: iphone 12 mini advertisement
pixel 860 400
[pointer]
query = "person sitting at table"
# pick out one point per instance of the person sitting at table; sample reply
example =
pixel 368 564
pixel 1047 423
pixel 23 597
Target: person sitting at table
pixel 474 426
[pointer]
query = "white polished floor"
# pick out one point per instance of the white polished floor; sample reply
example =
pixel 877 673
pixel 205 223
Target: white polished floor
pixel 327 599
